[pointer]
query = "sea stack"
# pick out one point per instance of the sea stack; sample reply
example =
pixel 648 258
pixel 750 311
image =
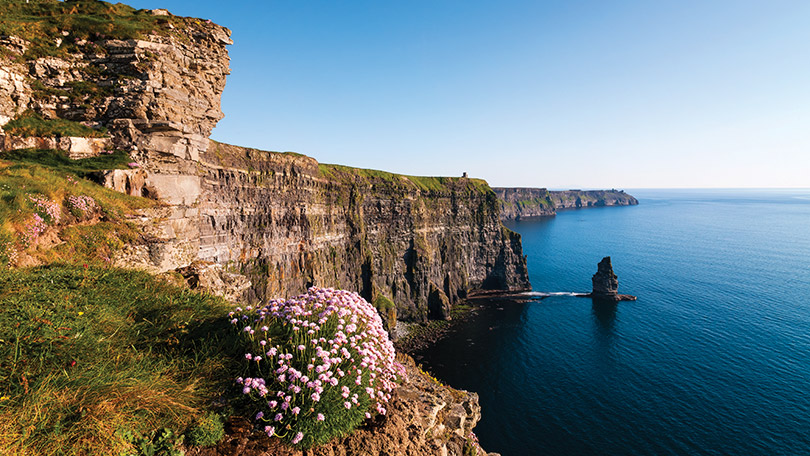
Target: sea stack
pixel 606 283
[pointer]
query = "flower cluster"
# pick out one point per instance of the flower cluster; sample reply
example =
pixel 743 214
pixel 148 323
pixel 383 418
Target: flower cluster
pixel 33 228
pixel 80 206
pixel 133 165
pixel 472 446
pixel 47 209
pixel 9 253
pixel 320 364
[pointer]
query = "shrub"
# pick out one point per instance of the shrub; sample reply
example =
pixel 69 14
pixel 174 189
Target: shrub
pixel 320 364
pixel 208 430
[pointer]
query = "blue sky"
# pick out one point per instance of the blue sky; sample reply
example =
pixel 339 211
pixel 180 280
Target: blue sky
pixel 560 94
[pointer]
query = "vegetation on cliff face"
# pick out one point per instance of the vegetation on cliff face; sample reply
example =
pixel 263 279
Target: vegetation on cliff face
pixel 30 123
pixel 320 364
pixel 46 200
pixel 360 176
pixel 105 361
pixel 57 28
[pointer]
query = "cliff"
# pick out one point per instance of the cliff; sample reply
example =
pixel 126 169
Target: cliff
pixel 248 223
pixel 519 202
pixel 288 222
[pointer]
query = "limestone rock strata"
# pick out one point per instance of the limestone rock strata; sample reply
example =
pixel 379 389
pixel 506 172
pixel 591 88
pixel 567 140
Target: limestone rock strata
pixel 521 202
pixel 606 284
pixel 157 95
pixel 288 223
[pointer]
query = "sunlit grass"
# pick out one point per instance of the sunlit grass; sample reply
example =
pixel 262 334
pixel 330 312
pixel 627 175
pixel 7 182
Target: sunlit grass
pixel 91 356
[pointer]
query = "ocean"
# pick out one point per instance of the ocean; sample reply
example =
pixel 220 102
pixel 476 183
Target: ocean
pixel 713 358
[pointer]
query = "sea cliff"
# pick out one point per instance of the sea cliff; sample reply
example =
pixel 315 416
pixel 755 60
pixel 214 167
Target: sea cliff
pixel 521 202
pixel 247 223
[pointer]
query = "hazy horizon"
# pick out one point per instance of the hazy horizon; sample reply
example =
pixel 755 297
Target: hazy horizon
pixel 525 94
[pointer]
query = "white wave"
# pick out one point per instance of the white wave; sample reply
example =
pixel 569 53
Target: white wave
pixel 546 294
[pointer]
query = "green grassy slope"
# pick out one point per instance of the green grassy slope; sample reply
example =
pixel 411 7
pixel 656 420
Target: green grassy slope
pixel 94 360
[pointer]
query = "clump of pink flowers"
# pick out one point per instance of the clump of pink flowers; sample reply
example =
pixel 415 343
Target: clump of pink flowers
pixel 33 228
pixel 10 252
pixel 319 364
pixel 81 206
pixel 48 209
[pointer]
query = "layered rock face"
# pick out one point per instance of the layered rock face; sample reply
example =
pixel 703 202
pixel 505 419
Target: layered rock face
pixel 524 202
pixel 521 202
pixel 159 97
pixel 577 199
pixel 605 281
pixel 288 223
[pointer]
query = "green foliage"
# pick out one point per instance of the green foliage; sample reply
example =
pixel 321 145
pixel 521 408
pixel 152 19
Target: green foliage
pixel 59 161
pixel 381 303
pixel 30 123
pixel 41 22
pixel 94 244
pixel 87 92
pixel 7 248
pixel 208 430
pixel 318 364
pixel 427 184
pixel 103 350
pixel 163 442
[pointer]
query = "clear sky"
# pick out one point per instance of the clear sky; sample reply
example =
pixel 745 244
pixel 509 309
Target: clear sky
pixel 560 94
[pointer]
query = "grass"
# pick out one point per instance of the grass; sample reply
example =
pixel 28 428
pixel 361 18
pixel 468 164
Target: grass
pixel 50 174
pixel 58 161
pixel 40 22
pixel 94 359
pixel 30 123
pixel 383 304
pixel 423 183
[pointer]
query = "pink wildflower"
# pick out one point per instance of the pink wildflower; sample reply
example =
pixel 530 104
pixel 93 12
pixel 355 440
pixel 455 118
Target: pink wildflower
pixel 298 437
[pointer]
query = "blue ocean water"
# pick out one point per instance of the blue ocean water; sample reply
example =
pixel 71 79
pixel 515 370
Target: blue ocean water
pixel 713 358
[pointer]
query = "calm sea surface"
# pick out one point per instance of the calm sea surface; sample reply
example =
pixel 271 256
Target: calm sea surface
pixel 713 358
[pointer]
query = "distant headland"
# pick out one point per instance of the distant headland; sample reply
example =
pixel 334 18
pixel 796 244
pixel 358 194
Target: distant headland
pixel 522 202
